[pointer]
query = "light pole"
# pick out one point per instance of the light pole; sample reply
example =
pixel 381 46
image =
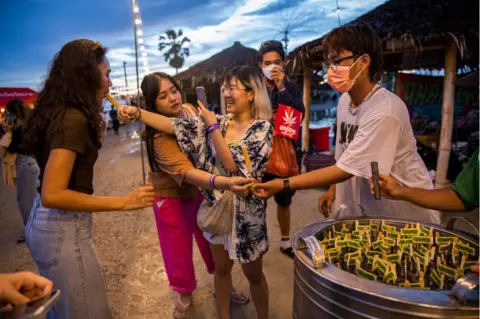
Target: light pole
pixel 125 73
pixel 136 19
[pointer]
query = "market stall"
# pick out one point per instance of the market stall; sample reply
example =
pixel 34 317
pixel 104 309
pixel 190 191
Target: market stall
pixel 432 35
pixel 6 94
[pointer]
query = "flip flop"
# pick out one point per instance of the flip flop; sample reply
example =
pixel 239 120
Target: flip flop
pixel 181 310
pixel 237 297
pixel 288 251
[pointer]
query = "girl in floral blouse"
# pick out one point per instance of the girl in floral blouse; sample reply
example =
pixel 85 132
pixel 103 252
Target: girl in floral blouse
pixel 215 143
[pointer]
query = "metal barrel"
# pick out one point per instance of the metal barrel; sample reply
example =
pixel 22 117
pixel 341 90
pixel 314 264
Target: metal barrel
pixel 321 290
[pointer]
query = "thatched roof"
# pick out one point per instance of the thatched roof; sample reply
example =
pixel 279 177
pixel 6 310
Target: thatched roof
pixel 415 26
pixel 214 68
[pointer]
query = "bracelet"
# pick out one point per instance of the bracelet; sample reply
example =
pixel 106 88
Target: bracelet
pixel 213 127
pixel 212 182
pixel 139 113
pixel 281 90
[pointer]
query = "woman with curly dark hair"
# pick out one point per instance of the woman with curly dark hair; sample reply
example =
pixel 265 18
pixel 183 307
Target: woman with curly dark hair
pixel 63 133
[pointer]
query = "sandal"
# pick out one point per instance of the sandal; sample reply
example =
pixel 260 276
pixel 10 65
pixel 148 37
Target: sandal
pixel 237 297
pixel 288 252
pixel 181 310
pixel 21 239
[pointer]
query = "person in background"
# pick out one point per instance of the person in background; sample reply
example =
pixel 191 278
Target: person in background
pixel 177 199
pixel 271 57
pixel 461 196
pixel 114 118
pixel 20 170
pixel 373 125
pixel 21 287
pixel 64 133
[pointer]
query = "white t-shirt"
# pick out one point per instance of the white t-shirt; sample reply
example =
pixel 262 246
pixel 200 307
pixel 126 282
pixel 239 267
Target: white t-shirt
pixel 379 131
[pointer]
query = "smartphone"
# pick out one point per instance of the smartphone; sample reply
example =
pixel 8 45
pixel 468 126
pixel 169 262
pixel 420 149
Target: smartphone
pixel 376 188
pixel 202 95
pixel 33 309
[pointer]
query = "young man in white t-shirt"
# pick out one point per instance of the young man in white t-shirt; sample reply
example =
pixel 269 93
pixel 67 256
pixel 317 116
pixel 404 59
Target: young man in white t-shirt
pixel 373 125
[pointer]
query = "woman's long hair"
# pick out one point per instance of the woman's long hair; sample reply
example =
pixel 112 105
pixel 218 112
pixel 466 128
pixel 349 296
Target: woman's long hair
pixel 73 82
pixel 18 109
pixel 151 88
pixel 261 108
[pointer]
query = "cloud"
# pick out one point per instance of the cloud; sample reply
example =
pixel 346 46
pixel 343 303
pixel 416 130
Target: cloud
pixel 218 24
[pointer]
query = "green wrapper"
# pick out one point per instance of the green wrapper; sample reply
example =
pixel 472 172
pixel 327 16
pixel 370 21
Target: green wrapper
pixel 405 249
pixel 342 243
pixel 393 235
pixel 447 271
pixel 466 250
pixel 389 241
pixel 424 231
pixel 333 253
pixel 424 250
pixel 435 277
pixel 410 231
pixel 393 258
pixel 444 240
pixel 373 227
pixel 374 253
pixel 352 256
pixel 377 244
pixel 422 240
pixel 419 256
pixel 443 248
pixel 356 237
pixel 378 264
pixel 365 274
pixel 391 276
pixel 404 241
pixel 370 260
pixel 337 233
pixel 388 229
pixel 354 244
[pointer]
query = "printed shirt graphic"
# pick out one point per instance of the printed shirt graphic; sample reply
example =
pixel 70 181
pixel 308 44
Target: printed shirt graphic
pixel 287 122
pixel 381 132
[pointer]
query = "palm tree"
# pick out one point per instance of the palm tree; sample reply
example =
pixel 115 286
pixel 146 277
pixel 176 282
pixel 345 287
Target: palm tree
pixel 176 53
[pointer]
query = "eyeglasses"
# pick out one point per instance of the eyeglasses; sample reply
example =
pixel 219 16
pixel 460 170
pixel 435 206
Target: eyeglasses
pixel 225 88
pixel 333 64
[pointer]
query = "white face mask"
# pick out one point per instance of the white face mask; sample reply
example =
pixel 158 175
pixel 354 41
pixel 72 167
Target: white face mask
pixel 267 71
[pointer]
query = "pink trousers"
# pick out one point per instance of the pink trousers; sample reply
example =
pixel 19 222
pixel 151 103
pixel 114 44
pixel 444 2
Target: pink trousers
pixel 176 223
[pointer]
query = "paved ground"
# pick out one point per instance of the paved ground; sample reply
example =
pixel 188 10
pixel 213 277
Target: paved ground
pixel 128 249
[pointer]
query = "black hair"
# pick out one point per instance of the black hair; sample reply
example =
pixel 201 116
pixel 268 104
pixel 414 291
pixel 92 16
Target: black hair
pixel 359 39
pixel 151 88
pixel 18 108
pixel 271 46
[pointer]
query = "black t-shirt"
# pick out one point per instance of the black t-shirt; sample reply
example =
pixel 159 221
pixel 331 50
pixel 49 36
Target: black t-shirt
pixel 73 134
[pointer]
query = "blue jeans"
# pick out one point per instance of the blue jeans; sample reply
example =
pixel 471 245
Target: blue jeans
pixel 61 245
pixel 27 184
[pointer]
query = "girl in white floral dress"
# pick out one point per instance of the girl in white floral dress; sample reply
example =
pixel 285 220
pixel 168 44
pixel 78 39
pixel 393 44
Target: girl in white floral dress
pixel 214 143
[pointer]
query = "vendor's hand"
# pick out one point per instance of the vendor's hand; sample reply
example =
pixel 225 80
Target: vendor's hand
pixel 21 287
pixel 128 113
pixel 325 202
pixel 208 116
pixel 241 186
pixel 269 189
pixel 278 76
pixel 389 187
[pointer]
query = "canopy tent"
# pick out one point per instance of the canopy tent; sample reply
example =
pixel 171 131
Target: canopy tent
pixel 6 94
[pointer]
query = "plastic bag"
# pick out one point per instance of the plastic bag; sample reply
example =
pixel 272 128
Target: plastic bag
pixel 218 218
pixel 283 159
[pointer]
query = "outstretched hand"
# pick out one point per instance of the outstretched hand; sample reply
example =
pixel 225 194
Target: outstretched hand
pixel 269 189
pixel 241 186
pixel 19 288
pixel 389 187
pixel 127 112
pixel 208 116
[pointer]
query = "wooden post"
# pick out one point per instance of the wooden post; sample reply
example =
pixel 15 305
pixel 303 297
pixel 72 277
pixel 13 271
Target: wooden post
pixel 307 99
pixel 448 104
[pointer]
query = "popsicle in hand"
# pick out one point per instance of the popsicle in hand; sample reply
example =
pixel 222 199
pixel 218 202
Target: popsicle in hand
pixel 113 101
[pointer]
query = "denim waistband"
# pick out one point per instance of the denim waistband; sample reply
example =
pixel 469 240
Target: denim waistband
pixel 52 214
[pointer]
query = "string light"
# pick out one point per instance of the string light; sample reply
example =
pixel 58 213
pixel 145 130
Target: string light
pixel 338 14
pixel 139 23
pixel 135 10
